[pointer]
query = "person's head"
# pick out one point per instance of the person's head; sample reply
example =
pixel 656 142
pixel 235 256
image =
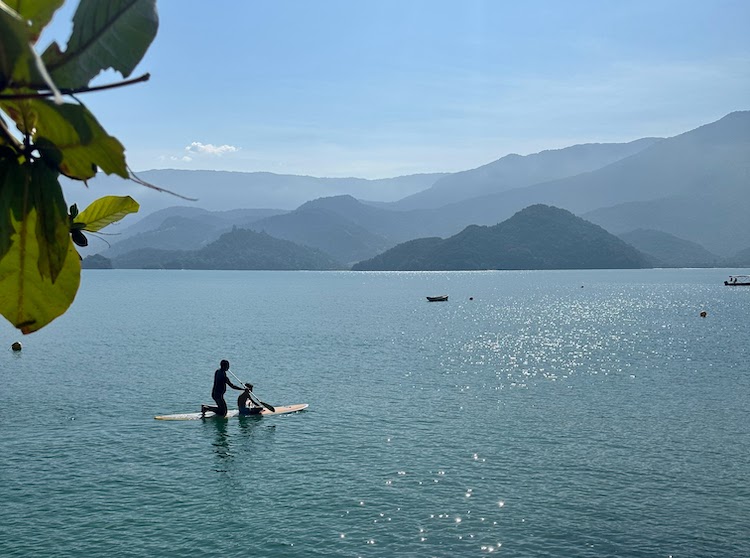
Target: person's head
pixel 248 387
pixel 224 364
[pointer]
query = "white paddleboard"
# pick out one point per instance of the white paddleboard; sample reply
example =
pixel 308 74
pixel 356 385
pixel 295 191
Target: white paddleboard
pixel 282 410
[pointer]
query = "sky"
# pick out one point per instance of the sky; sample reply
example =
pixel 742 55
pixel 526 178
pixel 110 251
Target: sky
pixel 383 88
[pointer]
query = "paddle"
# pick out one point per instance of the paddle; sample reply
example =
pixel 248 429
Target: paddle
pixel 252 395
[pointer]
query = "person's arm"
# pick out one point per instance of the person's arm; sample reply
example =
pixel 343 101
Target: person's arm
pixel 230 384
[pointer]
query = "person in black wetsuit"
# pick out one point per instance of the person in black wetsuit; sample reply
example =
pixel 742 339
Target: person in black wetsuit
pixel 221 381
pixel 242 403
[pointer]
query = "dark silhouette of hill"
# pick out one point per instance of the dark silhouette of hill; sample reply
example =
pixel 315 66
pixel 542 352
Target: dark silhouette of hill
pixel 96 261
pixel 237 249
pixel 670 251
pixel 517 171
pixel 538 237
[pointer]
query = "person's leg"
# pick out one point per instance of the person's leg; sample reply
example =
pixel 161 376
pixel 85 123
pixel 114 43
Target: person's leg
pixel 222 412
pixel 219 410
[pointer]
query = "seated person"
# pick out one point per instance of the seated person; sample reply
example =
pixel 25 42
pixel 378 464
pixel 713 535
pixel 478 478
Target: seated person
pixel 244 399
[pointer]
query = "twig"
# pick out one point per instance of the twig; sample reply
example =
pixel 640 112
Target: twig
pixel 142 182
pixel 49 93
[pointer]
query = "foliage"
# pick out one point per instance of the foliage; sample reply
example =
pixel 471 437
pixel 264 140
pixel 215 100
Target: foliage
pixel 39 266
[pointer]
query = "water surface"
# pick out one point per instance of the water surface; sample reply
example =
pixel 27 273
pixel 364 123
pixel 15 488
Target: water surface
pixel 576 413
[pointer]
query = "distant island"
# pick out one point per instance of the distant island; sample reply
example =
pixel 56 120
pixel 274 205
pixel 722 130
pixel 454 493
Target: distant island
pixel 538 237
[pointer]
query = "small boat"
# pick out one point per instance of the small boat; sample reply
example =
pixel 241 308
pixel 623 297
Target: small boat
pixel 441 298
pixel 738 281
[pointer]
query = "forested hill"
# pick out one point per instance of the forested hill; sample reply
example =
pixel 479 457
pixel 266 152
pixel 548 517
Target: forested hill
pixel 538 237
pixel 238 249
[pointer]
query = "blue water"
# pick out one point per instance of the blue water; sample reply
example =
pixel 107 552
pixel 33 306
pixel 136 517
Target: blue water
pixel 585 413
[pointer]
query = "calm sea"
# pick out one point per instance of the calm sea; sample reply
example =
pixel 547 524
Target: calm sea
pixel 583 413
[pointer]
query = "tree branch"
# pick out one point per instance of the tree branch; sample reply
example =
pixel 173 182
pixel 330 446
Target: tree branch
pixel 10 138
pixel 135 178
pixel 42 93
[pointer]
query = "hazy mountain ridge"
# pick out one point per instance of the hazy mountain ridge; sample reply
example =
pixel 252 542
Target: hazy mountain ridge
pixel 220 190
pixel 740 259
pixel 715 222
pixel 686 165
pixel 518 171
pixel 317 227
pixel 237 249
pixel 538 237
pixel 178 227
pixel 693 186
pixel 670 251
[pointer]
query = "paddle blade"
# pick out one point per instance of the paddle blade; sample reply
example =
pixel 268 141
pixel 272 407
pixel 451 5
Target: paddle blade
pixel 267 406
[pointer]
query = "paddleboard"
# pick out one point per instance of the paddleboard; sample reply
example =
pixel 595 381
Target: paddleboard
pixel 281 410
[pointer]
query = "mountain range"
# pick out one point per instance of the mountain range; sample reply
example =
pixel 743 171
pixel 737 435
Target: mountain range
pixel 236 249
pixel 693 187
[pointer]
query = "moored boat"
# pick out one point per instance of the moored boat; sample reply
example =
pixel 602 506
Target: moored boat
pixel 441 298
pixel 738 281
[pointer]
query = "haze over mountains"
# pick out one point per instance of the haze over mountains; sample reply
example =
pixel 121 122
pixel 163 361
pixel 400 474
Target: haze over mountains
pixel 517 171
pixel 694 186
pixel 224 190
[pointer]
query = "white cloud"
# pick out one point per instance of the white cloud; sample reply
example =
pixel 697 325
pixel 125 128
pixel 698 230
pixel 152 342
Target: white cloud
pixel 182 159
pixel 209 149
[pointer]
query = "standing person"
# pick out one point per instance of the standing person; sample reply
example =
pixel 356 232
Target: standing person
pixel 221 381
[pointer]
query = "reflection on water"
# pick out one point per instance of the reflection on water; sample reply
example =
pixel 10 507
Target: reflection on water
pixel 221 441
pixel 235 437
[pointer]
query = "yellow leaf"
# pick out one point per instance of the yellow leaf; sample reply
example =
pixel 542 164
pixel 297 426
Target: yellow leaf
pixel 27 299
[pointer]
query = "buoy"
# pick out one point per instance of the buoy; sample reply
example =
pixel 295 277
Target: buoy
pixel 16 346
pixel 471 298
pixel 704 314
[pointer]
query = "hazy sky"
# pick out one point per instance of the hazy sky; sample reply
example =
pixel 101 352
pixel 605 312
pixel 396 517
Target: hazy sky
pixel 379 88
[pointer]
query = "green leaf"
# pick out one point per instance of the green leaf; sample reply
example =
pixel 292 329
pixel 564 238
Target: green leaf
pixel 38 12
pixel 17 56
pixel 112 34
pixel 52 219
pixel 34 187
pixel 11 176
pixel 39 266
pixel 72 131
pixel 105 211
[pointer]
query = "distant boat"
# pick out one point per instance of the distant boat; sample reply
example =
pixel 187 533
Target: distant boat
pixel 441 298
pixel 738 281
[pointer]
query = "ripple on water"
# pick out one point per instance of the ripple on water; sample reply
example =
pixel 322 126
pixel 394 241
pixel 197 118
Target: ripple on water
pixel 541 419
